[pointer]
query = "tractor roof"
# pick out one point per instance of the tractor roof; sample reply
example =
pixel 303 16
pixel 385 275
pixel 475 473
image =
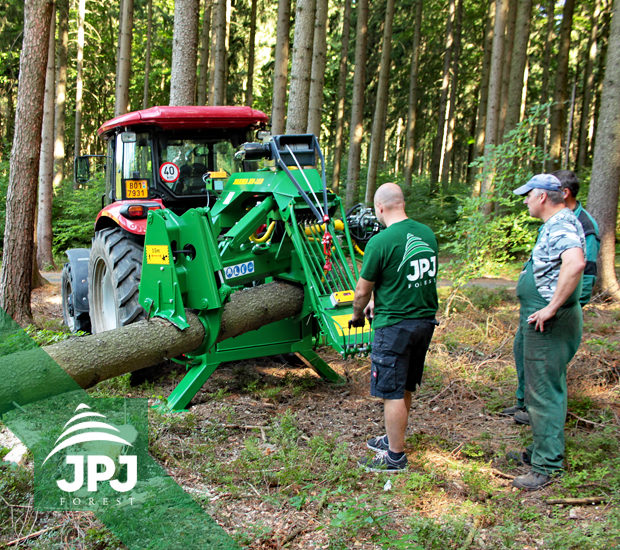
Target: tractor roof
pixel 188 117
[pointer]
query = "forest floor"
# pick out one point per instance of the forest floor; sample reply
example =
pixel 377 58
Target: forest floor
pixel 269 450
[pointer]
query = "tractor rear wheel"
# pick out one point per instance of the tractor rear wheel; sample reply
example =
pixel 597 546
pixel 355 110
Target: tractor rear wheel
pixel 113 279
pixel 75 320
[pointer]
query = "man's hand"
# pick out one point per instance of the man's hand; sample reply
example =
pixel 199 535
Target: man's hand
pixel 369 310
pixel 540 317
pixel 357 321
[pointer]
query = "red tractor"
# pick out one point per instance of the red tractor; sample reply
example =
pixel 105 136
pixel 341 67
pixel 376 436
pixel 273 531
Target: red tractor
pixel 162 157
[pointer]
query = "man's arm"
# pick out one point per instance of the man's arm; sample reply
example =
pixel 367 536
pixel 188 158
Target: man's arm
pixel 363 294
pixel 573 264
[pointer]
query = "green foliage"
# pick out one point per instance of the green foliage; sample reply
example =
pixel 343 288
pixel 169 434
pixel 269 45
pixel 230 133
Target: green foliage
pixel 4 184
pixel 478 239
pixel 45 337
pixel 74 215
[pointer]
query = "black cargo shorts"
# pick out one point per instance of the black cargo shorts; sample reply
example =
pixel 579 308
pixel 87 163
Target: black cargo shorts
pixel 397 359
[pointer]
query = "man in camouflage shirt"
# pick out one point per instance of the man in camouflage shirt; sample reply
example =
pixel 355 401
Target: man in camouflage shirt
pixel 550 325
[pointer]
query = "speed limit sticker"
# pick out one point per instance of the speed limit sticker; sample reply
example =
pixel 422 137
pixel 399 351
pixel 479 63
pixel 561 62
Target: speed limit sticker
pixel 169 172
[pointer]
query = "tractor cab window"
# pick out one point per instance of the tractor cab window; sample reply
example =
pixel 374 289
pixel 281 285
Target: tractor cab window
pixel 187 166
pixel 134 165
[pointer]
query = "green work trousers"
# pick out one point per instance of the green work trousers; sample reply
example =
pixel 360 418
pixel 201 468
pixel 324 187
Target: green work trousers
pixel 543 357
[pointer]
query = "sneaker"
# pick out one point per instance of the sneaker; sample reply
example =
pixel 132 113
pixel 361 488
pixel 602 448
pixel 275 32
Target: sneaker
pixel 522 458
pixel 521 417
pixel 379 443
pixel 383 463
pixel 532 481
pixel 510 411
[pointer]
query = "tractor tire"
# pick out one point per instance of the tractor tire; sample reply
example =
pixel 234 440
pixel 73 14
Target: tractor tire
pixel 113 279
pixel 75 320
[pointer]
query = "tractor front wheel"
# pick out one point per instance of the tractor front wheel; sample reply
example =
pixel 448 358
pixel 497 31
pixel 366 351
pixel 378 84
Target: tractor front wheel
pixel 75 320
pixel 113 279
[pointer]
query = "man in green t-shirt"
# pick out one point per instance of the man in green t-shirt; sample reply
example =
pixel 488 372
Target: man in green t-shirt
pixel 397 292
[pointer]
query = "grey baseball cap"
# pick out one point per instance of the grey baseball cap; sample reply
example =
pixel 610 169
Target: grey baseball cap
pixel 540 181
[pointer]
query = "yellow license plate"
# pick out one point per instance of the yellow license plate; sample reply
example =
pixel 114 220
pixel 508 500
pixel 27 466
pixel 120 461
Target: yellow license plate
pixel 136 189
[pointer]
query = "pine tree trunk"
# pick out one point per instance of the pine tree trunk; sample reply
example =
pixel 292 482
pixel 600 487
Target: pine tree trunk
pixel 378 122
pixel 17 254
pixel 448 149
pixel 219 68
pixel 557 124
pixel 121 102
pixel 517 67
pixel 493 106
pixel 204 54
pixel 509 37
pixel 61 92
pixel 605 182
pixel 342 85
pixel 92 359
pixel 46 158
pixel 301 68
pixel 413 96
pixel 184 53
pixel 280 72
pixel 357 104
pixel 317 78
pixel 443 97
pixel 588 87
pixel 249 91
pixel 79 85
pixel 147 56
pixel 541 132
pixel 481 117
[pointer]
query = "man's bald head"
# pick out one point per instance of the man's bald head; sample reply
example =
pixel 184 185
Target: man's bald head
pixel 389 204
pixel 390 196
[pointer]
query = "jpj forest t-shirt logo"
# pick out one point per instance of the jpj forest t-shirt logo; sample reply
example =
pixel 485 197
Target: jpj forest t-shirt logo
pixel 423 268
pixel 93 462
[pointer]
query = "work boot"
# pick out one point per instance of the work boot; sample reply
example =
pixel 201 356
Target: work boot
pixel 532 481
pixel 521 417
pixel 510 411
pixel 522 458
pixel 379 443
pixel 383 463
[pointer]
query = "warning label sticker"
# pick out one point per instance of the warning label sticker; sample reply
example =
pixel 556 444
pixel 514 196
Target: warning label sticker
pixel 157 254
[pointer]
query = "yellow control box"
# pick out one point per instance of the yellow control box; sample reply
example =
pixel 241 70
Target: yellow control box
pixel 342 298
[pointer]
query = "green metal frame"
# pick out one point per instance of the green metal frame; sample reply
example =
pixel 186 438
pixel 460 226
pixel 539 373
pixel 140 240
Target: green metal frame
pixel 198 259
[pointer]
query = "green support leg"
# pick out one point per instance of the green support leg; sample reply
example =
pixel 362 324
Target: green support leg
pixel 321 367
pixel 189 386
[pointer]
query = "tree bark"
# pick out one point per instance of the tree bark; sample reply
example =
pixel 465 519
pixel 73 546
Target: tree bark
pixel 495 89
pixel 509 37
pixel 147 56
pixel 204 54
pixel 357 104
pixel 301 68
pixel 342 87
pixel 558 109
pixel 79 85
pixel 588 88
pixel 443 97
pixel 60 109
pixel 378 122
pixel 125 34
pixel 517 66
pixel 184 53
pixel 603 194
pixel 481 117
pixel 280 71
pixel 17 255
pixel 219 65
pixel 413 96
pixel 249 91
pixel 92 359
pixel 317 77
pixel 541 132
pixel 46 158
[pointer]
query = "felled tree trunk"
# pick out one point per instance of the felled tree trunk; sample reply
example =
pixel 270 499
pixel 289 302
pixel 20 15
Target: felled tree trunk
pixel 92 359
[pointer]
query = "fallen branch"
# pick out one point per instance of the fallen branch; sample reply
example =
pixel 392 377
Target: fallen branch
pixel 578 501
pixel 33 535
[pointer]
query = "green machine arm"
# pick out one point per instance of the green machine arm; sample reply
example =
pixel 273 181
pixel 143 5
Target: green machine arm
pixel 278 222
